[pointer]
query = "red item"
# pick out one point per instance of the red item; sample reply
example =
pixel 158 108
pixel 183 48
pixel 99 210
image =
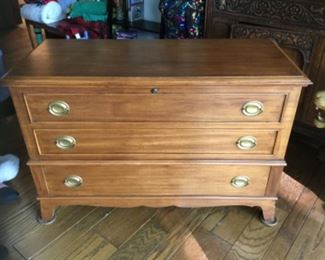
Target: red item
pixel 96 30
pixel 69 29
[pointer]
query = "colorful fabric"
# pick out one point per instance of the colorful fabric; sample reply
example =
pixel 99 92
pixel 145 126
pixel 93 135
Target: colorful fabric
pixel 126 35
pixel 183 19
pixel 78 27
pixel 90 10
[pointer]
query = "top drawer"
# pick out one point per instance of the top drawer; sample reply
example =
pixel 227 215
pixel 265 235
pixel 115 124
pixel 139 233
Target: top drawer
pixel 155 107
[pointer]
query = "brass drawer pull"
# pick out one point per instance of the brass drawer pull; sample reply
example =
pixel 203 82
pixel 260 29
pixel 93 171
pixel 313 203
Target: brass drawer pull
pixel 240 182
pixel 65 142
pixel 59 108
pixel 252 108
pixel 246 142
pixel 73 181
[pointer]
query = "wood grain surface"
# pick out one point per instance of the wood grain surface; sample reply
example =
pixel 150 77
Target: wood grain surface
pixel 168 58
pixel 151 141
pixel 159 180
pixel 161 107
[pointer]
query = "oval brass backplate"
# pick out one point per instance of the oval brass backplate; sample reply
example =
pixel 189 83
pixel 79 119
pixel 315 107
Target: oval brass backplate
pixel 59 108
pixel 240 182
pixel 65 142
pixel 252 108
pixel 246 142
pixel 73 181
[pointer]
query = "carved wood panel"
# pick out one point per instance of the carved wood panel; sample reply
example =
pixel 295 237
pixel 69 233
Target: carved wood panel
pixel 303 42
pixel 301 13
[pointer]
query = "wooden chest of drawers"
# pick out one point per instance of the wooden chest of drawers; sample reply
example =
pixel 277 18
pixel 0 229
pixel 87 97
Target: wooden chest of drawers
pixel 156 123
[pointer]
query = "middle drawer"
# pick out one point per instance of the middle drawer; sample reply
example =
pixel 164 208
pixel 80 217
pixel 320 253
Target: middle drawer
pixel 154 141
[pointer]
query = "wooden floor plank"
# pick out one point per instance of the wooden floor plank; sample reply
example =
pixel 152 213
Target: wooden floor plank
pixel 142 243
pixel 255 239
pixel 233 223
pixel 23 184
pixel 177 234
pixel 26 200
pixel 123 223
pixel 295 220
pixel 92 246
pixel 202 244
pixel 162 235
pixel 215 217
pixel 291 226
pixel 15 228
pixel 309 242
pixel 15 45
pixel 38 239
pixel 289 192
pixel 13 254
pixel 70 241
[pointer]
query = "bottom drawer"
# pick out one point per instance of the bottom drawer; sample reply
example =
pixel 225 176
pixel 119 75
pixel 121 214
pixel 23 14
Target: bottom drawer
pixel 155 179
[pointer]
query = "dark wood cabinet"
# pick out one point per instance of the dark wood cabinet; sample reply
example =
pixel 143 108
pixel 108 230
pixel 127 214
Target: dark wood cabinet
pixel 297 26
pixel 9 14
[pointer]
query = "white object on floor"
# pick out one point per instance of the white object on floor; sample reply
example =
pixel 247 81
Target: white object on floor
pixel 9 167
pixel 49 13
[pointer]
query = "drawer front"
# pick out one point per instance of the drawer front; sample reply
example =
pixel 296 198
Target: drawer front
pixel 153 107
pixel 154 141
pixel 156 179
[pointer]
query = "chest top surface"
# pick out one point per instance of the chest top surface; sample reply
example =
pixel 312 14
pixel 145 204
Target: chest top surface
pixel 215 59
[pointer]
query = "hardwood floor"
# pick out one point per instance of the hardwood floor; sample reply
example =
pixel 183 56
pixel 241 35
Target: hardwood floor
pixel 166 233
pixel 15 44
